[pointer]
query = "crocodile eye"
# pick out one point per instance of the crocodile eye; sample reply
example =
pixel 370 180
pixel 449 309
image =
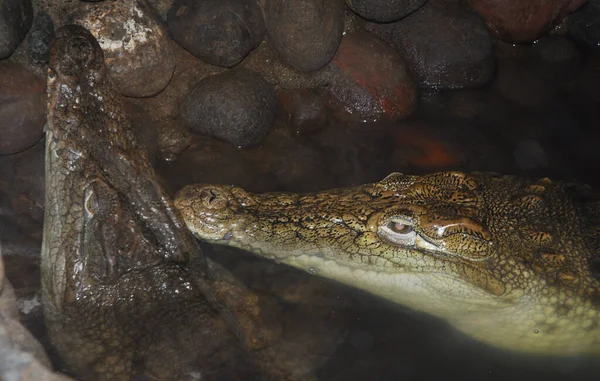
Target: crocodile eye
pixel 398 232
pixel 400 227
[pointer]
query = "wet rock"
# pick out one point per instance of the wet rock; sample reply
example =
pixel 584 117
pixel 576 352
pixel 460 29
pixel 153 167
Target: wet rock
pixel 237 106
pixel 22 108
pixel 172 140
pixel 445 45
pixel 15 20
pixel 219 32
pixel 16 334
pixel 25 190
pixel 304 110
pixel 276 71
pixel 584 25
pixel 353 22
pixel 357 154
pixel 164 108
pixel 162 7
pixel 42 34
pixel 529 154
pixel 60 11
pixel 22 357
pixel 384 10
pixel 560 58
pixel 136 48
pixel 298 164
pixel 519 77
pixel 305 33
pixel 206 161
pixel 145 130
pixel 525 20
pixel 371 80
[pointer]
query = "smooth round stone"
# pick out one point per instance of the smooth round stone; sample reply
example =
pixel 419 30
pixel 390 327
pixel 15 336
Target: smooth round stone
pixel 22 108
pixel 384 10
pixel 220 32
pixel 15 20
pixel 40 37
pixel 137 51
pixel 371 79
pixel 524 20
pixel 445 44
pixel 305 33
pixel 237 106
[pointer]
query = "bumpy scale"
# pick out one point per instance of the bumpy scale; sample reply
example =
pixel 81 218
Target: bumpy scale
pixel 508 261
pixel 127 294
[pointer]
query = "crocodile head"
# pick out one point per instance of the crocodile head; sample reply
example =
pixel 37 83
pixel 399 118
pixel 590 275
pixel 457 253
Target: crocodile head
pixel 504 260
pixel 126 291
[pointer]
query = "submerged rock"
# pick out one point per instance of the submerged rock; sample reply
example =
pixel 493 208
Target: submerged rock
pixel 584 25
pixel 305 110
pixel 22 108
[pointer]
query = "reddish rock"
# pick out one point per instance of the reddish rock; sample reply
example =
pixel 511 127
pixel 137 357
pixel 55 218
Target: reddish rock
pixel 370 79
pixel 22 108
pixel 525 20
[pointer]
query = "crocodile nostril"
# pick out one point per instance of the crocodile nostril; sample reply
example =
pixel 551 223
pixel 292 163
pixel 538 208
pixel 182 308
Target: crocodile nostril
pixel 80 51
pixel 211 198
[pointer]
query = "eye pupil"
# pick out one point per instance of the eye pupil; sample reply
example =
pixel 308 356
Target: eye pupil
pixel 401 228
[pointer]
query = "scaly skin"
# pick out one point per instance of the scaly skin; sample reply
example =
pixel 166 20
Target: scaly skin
pixel 127 294
pixel 510 262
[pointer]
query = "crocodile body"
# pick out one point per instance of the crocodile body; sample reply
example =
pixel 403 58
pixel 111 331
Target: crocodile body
pixel 505 260
pixel 127 293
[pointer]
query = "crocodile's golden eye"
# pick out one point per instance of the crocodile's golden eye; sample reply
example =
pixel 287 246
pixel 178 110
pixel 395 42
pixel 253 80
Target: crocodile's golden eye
pixel 400 227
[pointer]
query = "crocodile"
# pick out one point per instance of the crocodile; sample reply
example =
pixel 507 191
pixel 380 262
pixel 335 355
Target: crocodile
pixel 508 261
pixel 127 293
